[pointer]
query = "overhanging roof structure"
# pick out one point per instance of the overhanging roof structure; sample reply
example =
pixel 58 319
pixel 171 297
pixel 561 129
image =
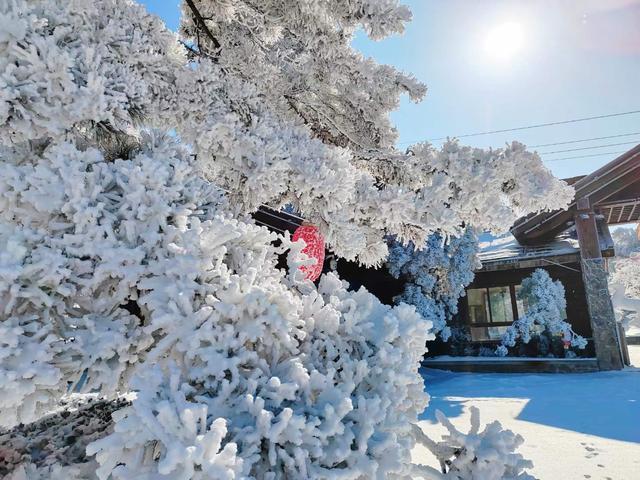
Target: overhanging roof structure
pixel 504 253
pixel 612 191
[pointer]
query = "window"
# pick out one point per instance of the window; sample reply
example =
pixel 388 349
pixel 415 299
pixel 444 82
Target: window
pixel 491 311
pixel 501 305
pixel 522 304
pixel 478 305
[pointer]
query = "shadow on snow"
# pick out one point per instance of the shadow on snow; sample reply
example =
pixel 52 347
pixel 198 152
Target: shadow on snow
pixel 605 404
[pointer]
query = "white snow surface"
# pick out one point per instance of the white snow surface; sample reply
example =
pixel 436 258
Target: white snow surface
pixel 576 426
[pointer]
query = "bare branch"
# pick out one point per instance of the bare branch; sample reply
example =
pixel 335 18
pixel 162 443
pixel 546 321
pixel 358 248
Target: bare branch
pixel 199 21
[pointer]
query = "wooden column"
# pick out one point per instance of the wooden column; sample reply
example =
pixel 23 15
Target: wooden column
pixel 587 230
pixel 594 276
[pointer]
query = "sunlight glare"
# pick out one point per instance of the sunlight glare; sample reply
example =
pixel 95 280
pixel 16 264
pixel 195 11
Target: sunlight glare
pixel 504 41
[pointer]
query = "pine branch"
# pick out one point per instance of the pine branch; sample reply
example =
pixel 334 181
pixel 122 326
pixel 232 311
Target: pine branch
pixel 199 21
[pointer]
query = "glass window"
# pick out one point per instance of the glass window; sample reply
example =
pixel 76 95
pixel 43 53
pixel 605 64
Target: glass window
pixel 479 334
pixel 491 311
pixel 501 307
pixel 478 305
pixel 521 304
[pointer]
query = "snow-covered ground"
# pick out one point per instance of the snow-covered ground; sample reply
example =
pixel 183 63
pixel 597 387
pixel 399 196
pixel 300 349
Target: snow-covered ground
pixel 576 426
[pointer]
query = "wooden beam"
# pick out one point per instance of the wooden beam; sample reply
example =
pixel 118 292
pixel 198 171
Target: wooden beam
pixel 599 191
pixel 614 185
pixel 598 186
pixel 606 237
pixel 585 219
pixel 620 203
pixel 621 212
pixel 609 216
pixel 632 212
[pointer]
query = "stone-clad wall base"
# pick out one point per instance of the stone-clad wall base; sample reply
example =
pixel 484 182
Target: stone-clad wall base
pixel 603 321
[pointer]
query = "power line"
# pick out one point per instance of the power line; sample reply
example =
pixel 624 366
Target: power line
pixel 583 140
pixel 588 148
pixel 527 127
pixel 585 156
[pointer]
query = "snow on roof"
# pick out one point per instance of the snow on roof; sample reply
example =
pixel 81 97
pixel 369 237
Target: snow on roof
pixel 507 247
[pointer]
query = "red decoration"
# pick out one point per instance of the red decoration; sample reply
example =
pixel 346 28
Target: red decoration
pixel 314 249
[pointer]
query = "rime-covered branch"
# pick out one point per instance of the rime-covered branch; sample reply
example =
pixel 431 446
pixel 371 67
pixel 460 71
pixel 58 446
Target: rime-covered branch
pixel 129 265
pixel 489 454
pixel 435 276
pixel 58 440
pixel 545 309
pixel 202 24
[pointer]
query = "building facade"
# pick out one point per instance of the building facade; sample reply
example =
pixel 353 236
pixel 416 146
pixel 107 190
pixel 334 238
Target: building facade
pixel 573 245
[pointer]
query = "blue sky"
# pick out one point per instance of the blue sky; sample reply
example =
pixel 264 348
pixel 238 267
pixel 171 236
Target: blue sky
pixel 578 58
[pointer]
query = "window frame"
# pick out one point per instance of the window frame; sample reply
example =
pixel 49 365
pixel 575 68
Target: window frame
pixel 514 308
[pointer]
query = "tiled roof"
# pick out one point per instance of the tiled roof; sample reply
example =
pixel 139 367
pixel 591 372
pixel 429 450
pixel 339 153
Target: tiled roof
pixel 508 248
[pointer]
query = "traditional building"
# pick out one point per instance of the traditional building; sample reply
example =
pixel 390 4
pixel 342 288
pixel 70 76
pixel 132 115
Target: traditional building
pixel 573 246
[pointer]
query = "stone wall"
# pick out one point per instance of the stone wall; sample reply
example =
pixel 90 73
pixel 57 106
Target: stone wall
pixel 603 323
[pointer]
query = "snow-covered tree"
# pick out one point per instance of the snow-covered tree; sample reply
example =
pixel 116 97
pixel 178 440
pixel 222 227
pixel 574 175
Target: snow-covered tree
pixel 130 160
pixel 627 274
pixel 489 454
pixel 624 284
pixel 624 278
pixel 624 267
pixel 545 311
pixel 435 276
pixel 626 241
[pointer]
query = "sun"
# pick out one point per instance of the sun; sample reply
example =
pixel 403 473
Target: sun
pixel 504 41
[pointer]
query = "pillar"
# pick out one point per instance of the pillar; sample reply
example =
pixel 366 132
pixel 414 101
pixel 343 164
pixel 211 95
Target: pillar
pixel 594 276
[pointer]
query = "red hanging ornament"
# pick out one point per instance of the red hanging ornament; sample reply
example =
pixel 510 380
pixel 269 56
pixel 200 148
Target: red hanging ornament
pixel 314 249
